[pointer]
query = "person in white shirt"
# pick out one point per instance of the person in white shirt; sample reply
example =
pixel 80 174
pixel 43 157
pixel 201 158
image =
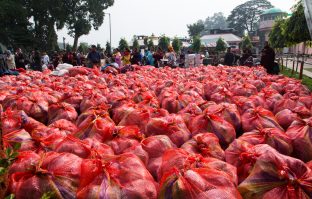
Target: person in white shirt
pixel 45 59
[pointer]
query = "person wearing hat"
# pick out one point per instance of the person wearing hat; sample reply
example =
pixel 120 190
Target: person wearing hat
pixel 172 57
pixel 94 57
pixel 10 60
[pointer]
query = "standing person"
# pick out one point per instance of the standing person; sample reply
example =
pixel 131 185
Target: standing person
pixel 10 60
pixel 229 58
pixel 149 58
pixel 126 58
pixel 3 64
pixel 136 57
pixel 246 59
pixel 117 57
pixel 158 55
pixel 94 57
pixel 36 65
pixel 45 58
pixel 172 58
pixel 20 59
pixel 55 59
pixel 68 58
pixel 268 58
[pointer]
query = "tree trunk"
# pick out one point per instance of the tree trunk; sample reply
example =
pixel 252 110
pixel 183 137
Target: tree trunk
pixel 75 42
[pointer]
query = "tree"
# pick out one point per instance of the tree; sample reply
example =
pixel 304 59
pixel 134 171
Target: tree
pixel 217 21
pixel 69 47
pixel 150 44
pixel 176 44
pixel 196 28
pixel 123 44
pixel 164 42
pixel 108 48
pixel 83 47
pixel 145 41
pixel 245 17
pixel 296 27
pixel 83 15
pixel 220 45
pixel 277 37
pixel 135 44
pixel 196 44
pixel 246 43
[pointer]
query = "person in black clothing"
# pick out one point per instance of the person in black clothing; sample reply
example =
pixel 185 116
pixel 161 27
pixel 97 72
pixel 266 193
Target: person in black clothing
pixel 94 57
pixel 268 58
pixel 158 55
pixel 246 59
pixel 136 57
pixel 229 58
pixel 36 65
pixel 20 59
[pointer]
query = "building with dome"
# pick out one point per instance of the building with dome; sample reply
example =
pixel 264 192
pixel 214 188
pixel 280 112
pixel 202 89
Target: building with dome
pixel 266 24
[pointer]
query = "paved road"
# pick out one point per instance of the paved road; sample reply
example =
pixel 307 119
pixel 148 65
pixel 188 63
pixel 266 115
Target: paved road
pixel 306 66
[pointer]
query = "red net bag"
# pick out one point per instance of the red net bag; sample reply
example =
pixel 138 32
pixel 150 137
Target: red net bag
pixel 286 117
pixel 300 134
pixel 277 176
pixel 206 144
pixel 62 111
pixel 259 118
pixel 214 124
pixel 54 172
pixel 173 126
pixel 21 137
pixel 271 136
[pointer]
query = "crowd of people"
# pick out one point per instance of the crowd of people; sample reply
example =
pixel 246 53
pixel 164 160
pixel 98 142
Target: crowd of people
pixel 121 60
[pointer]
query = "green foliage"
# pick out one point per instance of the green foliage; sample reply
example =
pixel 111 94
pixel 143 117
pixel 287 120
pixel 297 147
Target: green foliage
pixel 83 47
pixel 150 44
pixel 164 42
pixel 69 47
pixel 135 44
pixel 277 37
pixel 123 44
pixel 246 43
pixel 217 21
pixel 296 28
pixel 10 155
pixel 145 41
pixel 245 17
pixel 11 196
pixel 196 28
pixel 49 195
pixel 108 48
pixel 221 45
pixel 196 44
pixel 98 47
pixel 176 44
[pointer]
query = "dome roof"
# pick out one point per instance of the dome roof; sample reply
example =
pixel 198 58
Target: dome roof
pixel 272 11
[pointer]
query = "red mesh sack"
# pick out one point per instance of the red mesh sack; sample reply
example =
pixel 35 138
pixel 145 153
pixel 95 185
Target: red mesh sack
pixel 120 112
pixel 95 124
pixel 94 100
pixel 287 103
pixel 300 133
pixel 228 112
pixel 62 111
pixel 139 117
pixel 286 117
pixel 101 150
pixel 54 172
pixel 259 118
pixel 189 112
pixel 12 120
pixel 21 137
pixel 243 156
pixel 75 146
pixel 206 144
pixel 223 95
pixel 214 124
pixel 77 71
pixel 25 161
pixel 277 176
pixel 95 182
pixel 271 136
pixel 173 126
pixel 244 90
pixel 73 98
pixel 197 183
pixel 181 160
pixel 155 146
pixel 64 125
pixel 128 171
pixel 243 103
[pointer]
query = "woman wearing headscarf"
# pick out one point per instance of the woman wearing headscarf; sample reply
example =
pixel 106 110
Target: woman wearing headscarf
pixel 172 57
pixel 117 57
pixel 10 60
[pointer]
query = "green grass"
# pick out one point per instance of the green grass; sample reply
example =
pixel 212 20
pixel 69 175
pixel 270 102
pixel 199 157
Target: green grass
pixel 305 80
pixel 308 69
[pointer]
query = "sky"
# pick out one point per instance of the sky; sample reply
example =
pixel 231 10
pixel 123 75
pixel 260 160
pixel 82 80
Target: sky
pixel 170 17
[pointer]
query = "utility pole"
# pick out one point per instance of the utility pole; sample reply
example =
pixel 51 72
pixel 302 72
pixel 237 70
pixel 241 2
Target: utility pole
pixel 64 43
pixel 110 29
